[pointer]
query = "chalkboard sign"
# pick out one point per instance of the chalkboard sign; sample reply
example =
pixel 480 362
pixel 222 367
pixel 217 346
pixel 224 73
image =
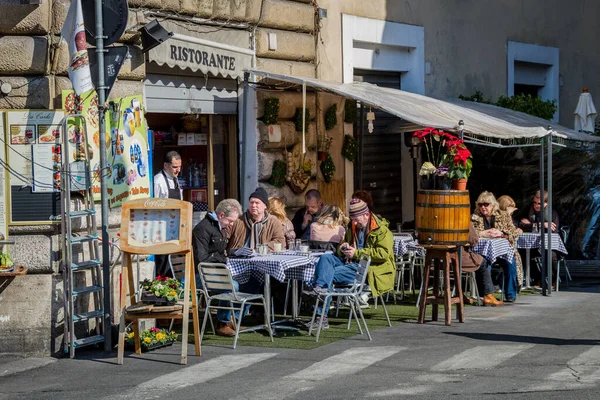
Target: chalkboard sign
pixel 27 206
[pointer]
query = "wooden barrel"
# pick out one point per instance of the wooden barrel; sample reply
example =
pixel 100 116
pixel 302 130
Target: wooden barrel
pixel 442 216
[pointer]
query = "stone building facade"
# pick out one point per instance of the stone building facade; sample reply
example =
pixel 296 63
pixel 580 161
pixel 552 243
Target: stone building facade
pixel 35 66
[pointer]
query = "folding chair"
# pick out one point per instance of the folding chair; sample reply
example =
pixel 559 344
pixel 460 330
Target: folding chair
pixel 218 284
pixel 177 266
pixel 351 293
pixel 407 261
pixel 564 235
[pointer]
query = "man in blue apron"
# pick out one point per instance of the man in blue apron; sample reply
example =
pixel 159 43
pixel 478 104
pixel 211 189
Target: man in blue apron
pixel 166 186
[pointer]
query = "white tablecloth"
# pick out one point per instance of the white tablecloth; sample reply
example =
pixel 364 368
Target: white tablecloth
pixel 533 241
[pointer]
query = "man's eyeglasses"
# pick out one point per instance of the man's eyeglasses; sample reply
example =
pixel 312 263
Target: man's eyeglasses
pixel 483 204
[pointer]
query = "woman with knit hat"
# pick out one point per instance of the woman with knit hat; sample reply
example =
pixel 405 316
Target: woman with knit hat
pixel 367 234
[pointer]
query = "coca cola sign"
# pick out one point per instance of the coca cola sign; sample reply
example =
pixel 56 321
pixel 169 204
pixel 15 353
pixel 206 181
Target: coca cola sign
pixel 155 203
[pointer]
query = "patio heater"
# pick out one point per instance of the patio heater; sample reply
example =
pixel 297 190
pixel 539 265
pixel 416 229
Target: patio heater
pixel 414 144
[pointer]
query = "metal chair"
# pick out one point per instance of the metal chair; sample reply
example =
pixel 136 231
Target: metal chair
pixel 177 266
pixel 406 261
pixel 564 235
pixel 351 293
pixel 218 284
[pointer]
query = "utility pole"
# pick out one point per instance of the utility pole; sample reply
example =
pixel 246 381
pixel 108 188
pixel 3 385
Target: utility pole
pixel 101 91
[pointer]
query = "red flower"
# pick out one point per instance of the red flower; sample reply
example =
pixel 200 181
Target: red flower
pixel 154 330
pixel 161 278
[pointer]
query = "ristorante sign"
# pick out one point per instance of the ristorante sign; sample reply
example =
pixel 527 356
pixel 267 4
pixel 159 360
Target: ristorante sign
pixel 182 54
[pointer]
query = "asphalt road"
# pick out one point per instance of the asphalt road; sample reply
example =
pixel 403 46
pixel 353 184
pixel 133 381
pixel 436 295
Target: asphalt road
pixel 538 348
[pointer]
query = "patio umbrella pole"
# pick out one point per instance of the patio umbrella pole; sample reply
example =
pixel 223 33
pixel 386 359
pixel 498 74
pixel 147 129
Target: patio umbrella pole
pixel 542 247
pixel 549 253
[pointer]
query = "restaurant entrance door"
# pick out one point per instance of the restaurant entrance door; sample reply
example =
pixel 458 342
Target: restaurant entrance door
pixel 379 161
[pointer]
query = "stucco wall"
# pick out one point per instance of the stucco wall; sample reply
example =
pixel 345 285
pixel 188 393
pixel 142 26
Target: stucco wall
pixel 465 41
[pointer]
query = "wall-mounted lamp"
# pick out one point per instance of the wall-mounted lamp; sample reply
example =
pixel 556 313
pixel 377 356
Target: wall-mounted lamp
pixel 370 118
pixel 322 13
pixel 461 128
pixel 413 143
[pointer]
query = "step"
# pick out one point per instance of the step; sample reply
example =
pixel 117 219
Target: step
pixel 88 341
pixel 88 315
pixel 82 213
pixel 86 290
pixel 85 265
pixel 84 238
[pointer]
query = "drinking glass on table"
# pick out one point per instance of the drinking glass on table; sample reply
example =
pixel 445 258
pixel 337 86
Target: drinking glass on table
pixel 291 244
pixel 298 244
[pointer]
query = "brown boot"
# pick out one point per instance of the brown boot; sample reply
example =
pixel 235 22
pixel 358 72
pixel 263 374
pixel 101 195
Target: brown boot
pixel 490 300
pixel 225 330
pixel 232 323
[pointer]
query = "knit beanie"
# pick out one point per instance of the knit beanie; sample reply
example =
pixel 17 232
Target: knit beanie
pixel 357 208
pixel 261 194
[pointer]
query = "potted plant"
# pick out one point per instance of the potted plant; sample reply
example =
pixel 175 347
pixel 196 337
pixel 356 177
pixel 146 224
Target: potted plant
pixel 160 291
pixel 435 170
pixel 459 160
pixel 153 338
pixel 323 145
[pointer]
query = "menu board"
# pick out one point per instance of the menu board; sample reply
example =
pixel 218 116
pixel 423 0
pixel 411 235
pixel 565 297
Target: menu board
pixel 33 152
pixel 126 145
pixel 153 226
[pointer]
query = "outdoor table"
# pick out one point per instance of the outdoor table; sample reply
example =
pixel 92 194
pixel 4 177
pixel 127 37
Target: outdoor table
pixel 402 244
pixel 530 241
pixel 281 266
pixel 491 249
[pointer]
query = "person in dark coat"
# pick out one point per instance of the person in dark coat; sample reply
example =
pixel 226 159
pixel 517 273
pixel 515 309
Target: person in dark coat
pixel 210 242
pixel 305 216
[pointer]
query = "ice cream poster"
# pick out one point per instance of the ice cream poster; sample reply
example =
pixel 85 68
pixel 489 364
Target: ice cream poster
pixel 73 33
pixel 126 144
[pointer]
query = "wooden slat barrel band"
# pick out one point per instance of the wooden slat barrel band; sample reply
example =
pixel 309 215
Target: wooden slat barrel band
pixel 461 205
pixel 444 192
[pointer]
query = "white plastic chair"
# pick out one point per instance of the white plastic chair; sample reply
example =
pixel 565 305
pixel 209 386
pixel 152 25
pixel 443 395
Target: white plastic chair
pixel 218 285
pixel 351 293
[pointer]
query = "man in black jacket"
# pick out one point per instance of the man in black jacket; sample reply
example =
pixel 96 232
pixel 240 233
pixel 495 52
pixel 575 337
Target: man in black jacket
pixel 308 214
pixel 210 242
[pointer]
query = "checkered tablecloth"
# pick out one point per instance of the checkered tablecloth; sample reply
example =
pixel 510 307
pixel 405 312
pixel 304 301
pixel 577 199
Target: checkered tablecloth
pixel 533 241
pixel 279 266
pixel 491 249
pixel 402 244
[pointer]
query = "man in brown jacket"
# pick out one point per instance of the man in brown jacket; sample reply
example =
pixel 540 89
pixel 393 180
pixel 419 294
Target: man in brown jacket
pixel 256 226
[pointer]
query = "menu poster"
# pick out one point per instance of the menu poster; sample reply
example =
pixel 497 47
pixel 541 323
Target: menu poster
pixel 126 145
pixel 153 226
pixel 3 199
pixel 28 129
pixel 46 168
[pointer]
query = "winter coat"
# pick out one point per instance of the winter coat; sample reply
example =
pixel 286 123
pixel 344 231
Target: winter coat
pixel 379 245
pixel 271 233
pixel 503 222
pixel 209 243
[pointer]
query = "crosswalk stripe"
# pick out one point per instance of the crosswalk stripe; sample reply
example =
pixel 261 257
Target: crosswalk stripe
pixel 581 372
pixel 481 357
pixel 344 364
pixel 194 375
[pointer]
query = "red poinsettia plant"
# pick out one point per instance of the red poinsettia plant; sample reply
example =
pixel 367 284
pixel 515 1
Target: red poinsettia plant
pixel 447 154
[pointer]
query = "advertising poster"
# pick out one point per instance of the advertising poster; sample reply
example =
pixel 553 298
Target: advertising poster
pixel 73 33
pixel 126 145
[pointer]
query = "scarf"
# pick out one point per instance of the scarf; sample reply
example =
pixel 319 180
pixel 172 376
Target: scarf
pixel 255 228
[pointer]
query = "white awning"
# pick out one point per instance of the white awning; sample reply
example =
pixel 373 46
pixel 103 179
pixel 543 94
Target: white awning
pixel 202 55
pixel 483 120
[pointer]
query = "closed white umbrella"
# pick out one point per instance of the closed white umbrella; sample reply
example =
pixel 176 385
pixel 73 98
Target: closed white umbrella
pixel 585 113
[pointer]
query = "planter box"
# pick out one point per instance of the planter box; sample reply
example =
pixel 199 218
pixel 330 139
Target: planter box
pixel 130 345
pixel 150 298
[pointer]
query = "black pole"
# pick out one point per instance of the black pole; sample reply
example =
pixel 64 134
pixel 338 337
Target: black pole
pixel 542 247
pixel 360 146
pixel 101 91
